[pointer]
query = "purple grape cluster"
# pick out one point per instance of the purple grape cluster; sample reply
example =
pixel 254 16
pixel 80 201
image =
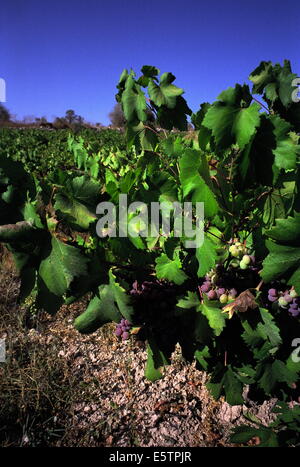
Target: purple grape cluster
pixel 122 329
pixel 214 292
pixel 287 299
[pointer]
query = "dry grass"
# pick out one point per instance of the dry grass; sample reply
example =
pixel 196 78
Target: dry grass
pixel 35 387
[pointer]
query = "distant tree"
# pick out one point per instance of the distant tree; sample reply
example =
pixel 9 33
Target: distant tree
pixel 4 114
pixel 116 116
pixel 72 118
pixel 60 123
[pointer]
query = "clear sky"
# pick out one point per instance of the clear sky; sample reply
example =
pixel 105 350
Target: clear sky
pixel 66 54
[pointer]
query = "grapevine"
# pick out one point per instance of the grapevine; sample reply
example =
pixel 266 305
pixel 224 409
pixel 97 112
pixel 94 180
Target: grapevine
pixel 232 302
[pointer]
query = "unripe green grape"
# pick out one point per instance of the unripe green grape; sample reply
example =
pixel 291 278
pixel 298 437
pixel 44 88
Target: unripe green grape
pixel 243 265
pixel 246 259
pixel 223 298
pixel 234 251
pixel 282 302
pixel 293 293
pixel 234 264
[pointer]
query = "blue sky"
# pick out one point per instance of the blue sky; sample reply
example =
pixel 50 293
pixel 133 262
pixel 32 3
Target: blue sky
pixel 67 54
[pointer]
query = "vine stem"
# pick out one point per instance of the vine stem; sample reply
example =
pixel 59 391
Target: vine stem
pixel 259 285
pixel 262 105
pixel 214 235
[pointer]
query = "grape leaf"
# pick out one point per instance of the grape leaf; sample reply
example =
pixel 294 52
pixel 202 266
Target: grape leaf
pixel 193 184
pixel 273 373
pixel 170 269
pixel 110 304
pixel 133 102
pixel 226 380
pixel 215 317
pixel 100 310
pixel 150 71
pixel 77 202
pixel 268 329
pixel 243 434
pixel 63 263
pixel 281 260
pixel 275 81
pixel 165 93
pixel 232 119
pixel 287 151
pixel 155 361
pixel 286 231
pixel 206 255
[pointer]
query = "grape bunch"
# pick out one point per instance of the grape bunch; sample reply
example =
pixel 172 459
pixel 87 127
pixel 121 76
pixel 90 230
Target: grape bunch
pixel 122 329
pixel 213 292
pixel 241 257
pixel 287 299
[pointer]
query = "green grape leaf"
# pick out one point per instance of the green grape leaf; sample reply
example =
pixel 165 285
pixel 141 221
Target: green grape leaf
pixel 63 263
pixel 226 380
pixel 194 185
pixel 133 102
pixel 204 134
pixel 174 118
pixel 165 93
pixel 273 373
pixel 206 256
pixel 101 310
pixel 252 337
pixel 155 361
pixel 191 301
pixel 77 202
pixel 232 119
pixel 286 231
pixel 143 138
pixel 110 304
pixel 215 317
pixel 275 81
pixel 30 214
pixel 201 357
pixel 287 151
pixel 150 71
pixel 268 329
pixel 261 77
pixel 170 269
pixel 281 260
pixel 243 433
